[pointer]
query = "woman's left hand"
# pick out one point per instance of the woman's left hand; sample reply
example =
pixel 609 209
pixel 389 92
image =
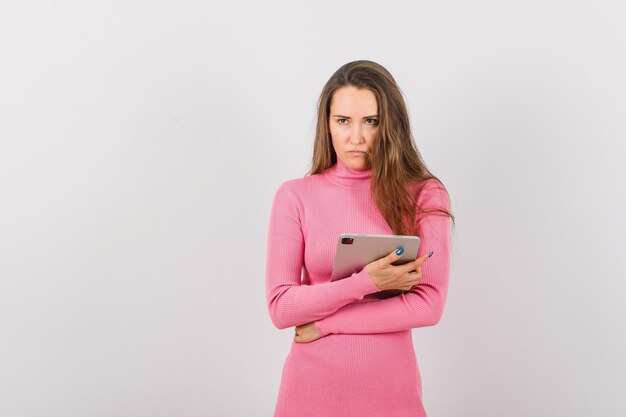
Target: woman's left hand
pixel 306 333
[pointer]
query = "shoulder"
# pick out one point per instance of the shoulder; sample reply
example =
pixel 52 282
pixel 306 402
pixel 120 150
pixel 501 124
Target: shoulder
pixel 297 186
pixel 432 195
pixel 293 191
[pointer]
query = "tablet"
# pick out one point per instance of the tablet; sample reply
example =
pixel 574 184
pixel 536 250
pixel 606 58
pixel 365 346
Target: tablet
pixel 354 251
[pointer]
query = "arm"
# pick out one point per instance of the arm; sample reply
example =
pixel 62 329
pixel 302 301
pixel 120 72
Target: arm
pixel 289 302
pixel 422 306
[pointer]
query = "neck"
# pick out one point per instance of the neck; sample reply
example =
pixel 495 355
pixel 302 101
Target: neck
pixel 349 177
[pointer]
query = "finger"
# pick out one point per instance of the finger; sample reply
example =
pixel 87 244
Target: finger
pixel 412 266
pixel 416 263
pixel 394 255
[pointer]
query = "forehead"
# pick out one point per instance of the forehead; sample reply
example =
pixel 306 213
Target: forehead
pixel 349 101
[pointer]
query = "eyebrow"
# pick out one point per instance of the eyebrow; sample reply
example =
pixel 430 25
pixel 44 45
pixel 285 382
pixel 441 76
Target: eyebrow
pixel 348 117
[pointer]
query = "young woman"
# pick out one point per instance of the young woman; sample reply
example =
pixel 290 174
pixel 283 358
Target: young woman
pixel 352 354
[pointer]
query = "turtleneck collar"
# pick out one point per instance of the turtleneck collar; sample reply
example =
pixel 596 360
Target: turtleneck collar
pixel 348 177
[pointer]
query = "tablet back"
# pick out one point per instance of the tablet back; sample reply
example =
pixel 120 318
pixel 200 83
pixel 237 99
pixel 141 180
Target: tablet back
pixel 354 251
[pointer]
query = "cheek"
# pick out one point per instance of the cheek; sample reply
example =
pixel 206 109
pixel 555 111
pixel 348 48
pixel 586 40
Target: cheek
pixel 334 139
pixel 372 136
pixel 337 134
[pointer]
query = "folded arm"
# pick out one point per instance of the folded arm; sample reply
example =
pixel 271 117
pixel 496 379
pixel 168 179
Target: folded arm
pixel 290 303
pixel 422 306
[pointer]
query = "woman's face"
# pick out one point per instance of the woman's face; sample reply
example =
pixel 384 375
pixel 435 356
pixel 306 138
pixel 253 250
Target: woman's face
pixel 353 123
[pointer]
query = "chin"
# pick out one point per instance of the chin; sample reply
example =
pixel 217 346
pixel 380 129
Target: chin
pixel 359 165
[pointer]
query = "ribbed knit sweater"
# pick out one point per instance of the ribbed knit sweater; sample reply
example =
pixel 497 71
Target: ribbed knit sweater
pixel 364 364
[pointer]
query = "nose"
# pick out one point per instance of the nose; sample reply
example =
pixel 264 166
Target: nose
pixel 356 136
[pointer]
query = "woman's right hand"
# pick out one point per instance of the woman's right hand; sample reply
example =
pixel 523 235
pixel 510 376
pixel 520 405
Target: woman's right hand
pixel 396 277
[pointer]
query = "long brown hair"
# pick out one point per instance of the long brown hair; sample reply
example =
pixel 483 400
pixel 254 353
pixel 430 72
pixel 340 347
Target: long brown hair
pixel 394 159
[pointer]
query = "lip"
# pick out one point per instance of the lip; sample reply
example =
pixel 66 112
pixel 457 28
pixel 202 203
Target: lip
pixel 356 152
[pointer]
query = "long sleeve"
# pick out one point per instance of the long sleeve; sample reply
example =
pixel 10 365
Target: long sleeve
pixel 290 303
pixel 422 306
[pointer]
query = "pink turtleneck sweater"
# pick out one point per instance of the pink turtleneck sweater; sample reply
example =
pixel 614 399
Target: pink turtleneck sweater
pixel 366 347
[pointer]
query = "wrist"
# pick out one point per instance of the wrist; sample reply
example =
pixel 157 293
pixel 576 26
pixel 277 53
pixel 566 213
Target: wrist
pixel 374 286
pixel 321 329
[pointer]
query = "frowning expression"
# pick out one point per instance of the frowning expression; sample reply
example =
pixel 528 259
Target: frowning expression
pixel 353 124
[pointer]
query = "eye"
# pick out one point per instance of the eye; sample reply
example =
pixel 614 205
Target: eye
pixel 339 121
pixel 373 121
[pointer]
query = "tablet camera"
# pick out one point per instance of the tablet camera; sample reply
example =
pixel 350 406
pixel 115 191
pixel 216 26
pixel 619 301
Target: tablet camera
pixel 347 240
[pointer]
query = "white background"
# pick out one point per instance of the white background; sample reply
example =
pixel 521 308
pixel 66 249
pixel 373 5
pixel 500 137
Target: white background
pixel 141 143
